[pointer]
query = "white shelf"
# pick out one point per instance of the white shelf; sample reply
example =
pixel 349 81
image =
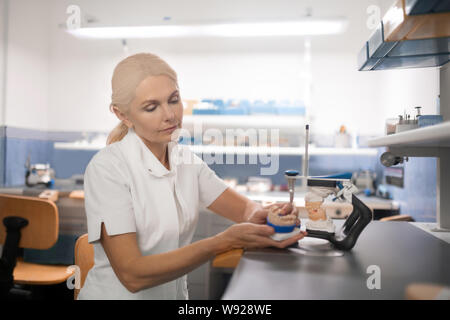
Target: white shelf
pixel 433 136
pixel 241 121
pixel 77 146
pixel 243 150
pixel 282 150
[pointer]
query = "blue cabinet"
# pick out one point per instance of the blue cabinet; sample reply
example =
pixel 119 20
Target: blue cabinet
pixel 378 54
pixel 414 7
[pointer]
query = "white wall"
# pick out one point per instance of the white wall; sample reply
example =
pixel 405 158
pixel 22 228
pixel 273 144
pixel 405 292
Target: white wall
pixel 27 71
pixel 3 28
pixel 408 88
pixel 222 68
pixel 344 96
pixel 58 82
pixel 404 89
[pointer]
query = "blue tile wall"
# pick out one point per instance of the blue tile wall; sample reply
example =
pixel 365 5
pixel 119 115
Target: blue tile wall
pixel 17 144
pixel 318 165
pixel 418 198
pixel 2 154
pixel 17 151
pixel 69 162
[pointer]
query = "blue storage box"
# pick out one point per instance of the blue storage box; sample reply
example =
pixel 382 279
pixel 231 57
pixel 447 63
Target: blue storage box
pixel 236 108
pixel 216 107
pixel 429 120
pixel 286 107
pixel 260 107
pixel 205 111
pixel 234 111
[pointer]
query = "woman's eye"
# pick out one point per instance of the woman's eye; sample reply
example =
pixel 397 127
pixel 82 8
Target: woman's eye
pixel 175 100
pixel 150 109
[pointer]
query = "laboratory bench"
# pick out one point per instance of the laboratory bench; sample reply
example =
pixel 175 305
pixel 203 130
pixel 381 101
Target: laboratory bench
pixel 205 282
pixel 72 216
pixel 401 252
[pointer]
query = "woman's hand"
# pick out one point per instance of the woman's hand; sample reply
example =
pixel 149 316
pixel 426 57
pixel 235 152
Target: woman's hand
pixel 258 214
pixel 249 235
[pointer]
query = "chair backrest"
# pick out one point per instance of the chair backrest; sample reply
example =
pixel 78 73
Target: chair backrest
pixel 400 217
pixel 84 258
pixel 42 215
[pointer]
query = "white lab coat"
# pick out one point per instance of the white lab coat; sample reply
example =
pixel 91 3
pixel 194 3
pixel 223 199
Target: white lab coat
pixel 129 190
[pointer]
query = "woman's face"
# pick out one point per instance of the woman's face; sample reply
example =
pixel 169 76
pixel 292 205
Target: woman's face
pixel 156 111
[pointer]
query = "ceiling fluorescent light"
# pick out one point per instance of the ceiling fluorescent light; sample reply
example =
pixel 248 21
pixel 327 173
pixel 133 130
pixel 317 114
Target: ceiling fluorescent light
pixel 260 29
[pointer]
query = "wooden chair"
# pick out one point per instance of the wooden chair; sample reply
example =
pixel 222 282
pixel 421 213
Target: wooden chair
pixel 84 259
pixel 399 217
pixel 39 228
pixel 425 291
pixel 228 259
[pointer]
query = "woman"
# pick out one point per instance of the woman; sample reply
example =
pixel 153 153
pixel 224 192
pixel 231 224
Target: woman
pixel 142 195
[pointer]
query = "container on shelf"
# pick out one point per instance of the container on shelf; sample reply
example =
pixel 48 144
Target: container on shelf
pixel 391 125
pixel 235 108
pixel 208 107
pixel 189 105
pixel 261 107
pixel 288 108
pixel 429 120
pixel 259 184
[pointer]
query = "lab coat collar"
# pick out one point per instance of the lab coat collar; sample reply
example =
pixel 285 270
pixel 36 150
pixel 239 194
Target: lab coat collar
pixel 154 166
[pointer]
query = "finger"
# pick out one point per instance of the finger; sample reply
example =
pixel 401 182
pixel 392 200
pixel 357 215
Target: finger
pixel 265 242
pixel 259 241
pixel 262 213
pixel 264 230
pixel 286 208
pixel 291 240
pixel 270 205
pixel 290 209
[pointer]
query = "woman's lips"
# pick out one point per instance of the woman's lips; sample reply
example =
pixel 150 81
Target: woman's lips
pixel 171 129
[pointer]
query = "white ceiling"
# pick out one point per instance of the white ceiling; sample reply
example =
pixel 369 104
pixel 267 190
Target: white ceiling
pixel 145 12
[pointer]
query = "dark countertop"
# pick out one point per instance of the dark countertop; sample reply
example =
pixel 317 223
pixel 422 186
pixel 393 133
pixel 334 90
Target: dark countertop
pixel 403 252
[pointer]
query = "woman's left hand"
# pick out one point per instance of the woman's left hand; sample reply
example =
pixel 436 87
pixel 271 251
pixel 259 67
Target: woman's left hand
pixel 258 214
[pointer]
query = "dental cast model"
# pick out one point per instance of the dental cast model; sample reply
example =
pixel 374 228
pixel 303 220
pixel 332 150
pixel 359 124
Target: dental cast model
pixel 284 225
pixel 318 219
pixel 276 218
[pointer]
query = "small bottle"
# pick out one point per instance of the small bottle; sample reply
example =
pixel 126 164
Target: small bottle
pixel 418 112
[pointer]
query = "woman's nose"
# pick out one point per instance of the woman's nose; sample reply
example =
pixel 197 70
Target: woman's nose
pixel 169 113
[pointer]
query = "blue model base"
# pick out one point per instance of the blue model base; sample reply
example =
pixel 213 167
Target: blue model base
pixel 282 229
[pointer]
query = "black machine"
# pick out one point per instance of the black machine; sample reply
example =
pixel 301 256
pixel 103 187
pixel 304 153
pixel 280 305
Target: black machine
pixel 345 237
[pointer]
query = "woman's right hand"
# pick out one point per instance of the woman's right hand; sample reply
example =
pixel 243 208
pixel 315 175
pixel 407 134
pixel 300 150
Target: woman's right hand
pixel 250 235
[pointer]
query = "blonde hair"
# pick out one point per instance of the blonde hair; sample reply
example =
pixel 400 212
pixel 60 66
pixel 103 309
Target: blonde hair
pixel 127 76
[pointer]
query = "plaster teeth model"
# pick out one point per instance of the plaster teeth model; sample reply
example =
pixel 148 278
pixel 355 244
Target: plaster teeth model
pixel 318 219
pixel 284 225
pixel 277 218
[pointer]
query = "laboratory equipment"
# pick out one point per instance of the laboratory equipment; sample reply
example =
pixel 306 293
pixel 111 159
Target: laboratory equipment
pixel 342 188
pixel 291 183
pixel 388 159
pixel 39 174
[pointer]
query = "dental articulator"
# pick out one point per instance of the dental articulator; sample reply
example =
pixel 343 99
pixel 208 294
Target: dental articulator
pixel 319 225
